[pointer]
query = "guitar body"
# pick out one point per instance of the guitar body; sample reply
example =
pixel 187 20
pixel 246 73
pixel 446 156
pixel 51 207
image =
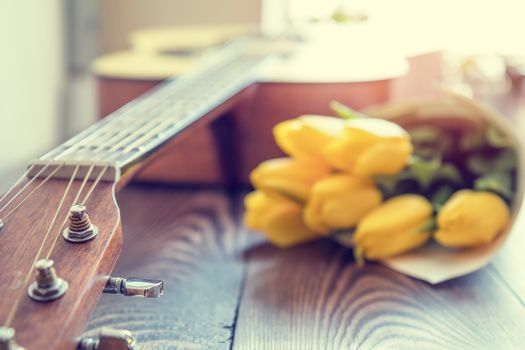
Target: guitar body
pixel 249 125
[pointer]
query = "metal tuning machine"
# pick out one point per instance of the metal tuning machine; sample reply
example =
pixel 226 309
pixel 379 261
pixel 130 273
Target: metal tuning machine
pixel 108 339
pixel 80 228
pixel 48 286
pixel 7 339
pixel 135 287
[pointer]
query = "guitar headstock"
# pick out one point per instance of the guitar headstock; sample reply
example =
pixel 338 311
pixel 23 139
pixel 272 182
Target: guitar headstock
pixel 73 222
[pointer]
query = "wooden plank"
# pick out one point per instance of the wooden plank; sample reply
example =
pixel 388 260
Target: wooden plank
pixel 188 239
pixel 510 260
pixel 308 297
pixel 315 297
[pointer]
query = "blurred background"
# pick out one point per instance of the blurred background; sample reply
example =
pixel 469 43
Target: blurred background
pixel 52 51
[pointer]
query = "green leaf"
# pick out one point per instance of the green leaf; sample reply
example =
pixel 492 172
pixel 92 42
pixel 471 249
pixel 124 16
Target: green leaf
pixel 481 163
pixel 497 181
pixel 431 142
pixel 449 173
pixel 424 171
pixel 345 112
pixel 496 138
pixel 424 134
pixel 472 141
pixel 440 196
pixel 421 173
pixel 429 226
pixel 359 256
pixel 343 237
pixel 387 183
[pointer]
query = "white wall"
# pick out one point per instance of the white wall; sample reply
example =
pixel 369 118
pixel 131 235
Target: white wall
pixel 32 67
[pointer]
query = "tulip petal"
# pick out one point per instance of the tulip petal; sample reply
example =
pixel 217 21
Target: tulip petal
pixel 288 176
pixel 394 227
pixel 471 218
pixel 345 211
pixel 339 201
pixel 387 157
pixel 305 137
pixel 279 219
pixel 370 147
pixel 396 214
pixel 287 228
pixel 399 243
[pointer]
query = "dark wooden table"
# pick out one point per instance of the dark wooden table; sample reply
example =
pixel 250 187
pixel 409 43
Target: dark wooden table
pixel 225 288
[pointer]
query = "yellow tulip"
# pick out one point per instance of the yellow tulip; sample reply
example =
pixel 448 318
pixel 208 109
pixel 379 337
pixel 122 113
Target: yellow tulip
pixel 400 224
pixel 471 218
pixel 370 146
pixel 306 136
pixel 278 218
pixel 288 176
pixel 339 202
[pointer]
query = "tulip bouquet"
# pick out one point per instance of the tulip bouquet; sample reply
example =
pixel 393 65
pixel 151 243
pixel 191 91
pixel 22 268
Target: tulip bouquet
pixel 421 181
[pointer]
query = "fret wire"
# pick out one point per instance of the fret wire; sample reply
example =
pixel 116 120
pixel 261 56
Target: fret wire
pixel 188 121
pixel 151 125
pixel 140 124
pixel 106 137
pixel 117 116
pixel 146 136
pixel 127 138
pixel 97 135
pixel 117 135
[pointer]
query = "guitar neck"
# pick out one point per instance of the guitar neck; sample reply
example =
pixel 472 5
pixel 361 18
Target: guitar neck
pixel 140 127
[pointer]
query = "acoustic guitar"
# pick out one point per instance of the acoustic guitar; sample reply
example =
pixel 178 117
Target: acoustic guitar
pixel 60 232
pixel 303 82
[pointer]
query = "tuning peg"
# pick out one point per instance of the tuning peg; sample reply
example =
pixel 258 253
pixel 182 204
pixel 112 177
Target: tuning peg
pixel 80 228
pixel 48 286
pixel 7 339
pixel 108 339
pixel 135 287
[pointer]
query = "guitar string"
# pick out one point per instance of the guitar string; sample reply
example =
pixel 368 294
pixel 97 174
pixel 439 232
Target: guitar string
pixel 17 301
pixel 61 227
pixel 102 130
pixel 127 136
pixel 24 175
pixel 132 135
pixel 25 186
pixel 33 191
pixel 160 96
pixel 129 129
pixel 15 305
pixel 14 308
pixel 97 180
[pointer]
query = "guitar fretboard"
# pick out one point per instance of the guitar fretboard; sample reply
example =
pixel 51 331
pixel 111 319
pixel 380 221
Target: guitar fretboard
pixel 146 123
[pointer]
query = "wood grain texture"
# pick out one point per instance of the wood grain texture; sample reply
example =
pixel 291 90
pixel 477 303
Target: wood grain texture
pixel 315 297
pixel 226 288
pixel 55 325
pixel 190 240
